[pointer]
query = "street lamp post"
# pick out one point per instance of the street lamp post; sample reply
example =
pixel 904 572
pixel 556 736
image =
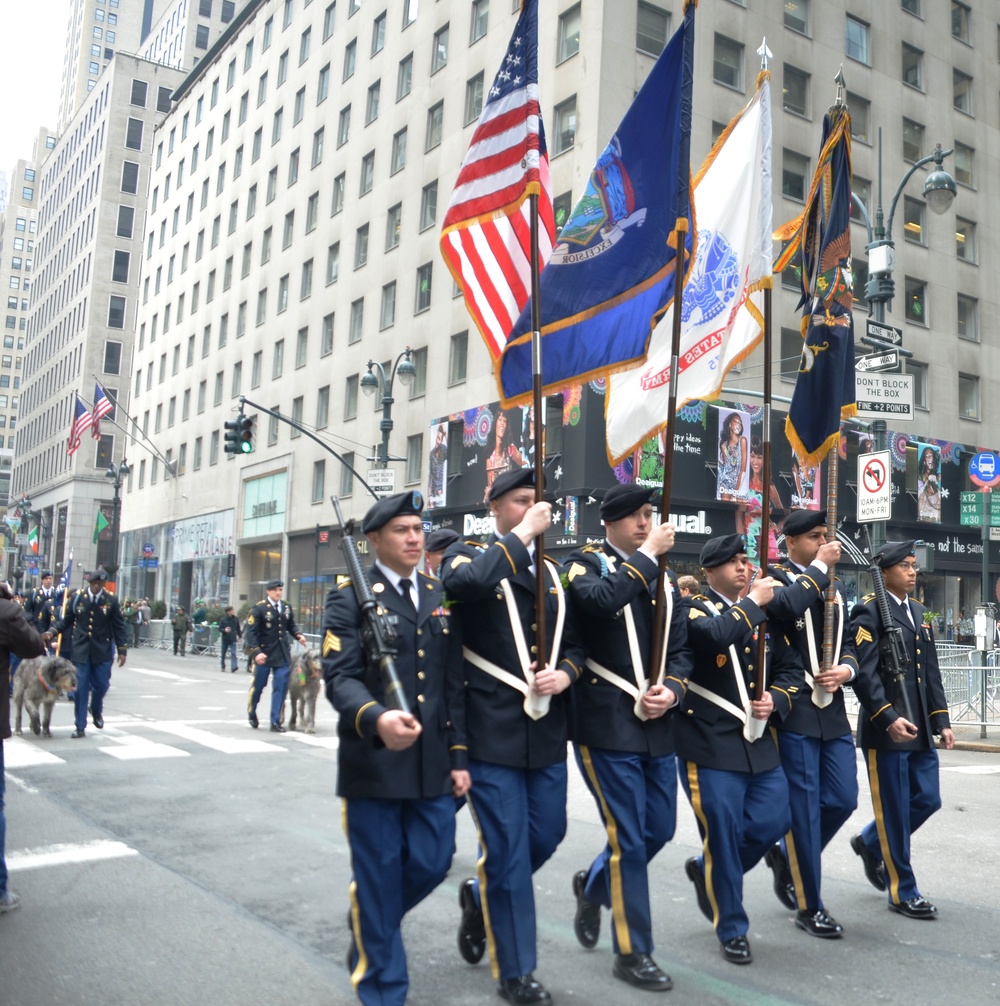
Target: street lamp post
pixel 24 506
pixel 404 369
pixel 117 477
pixel 939 191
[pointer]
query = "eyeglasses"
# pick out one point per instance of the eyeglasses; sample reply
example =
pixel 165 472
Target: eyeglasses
pixel 909 567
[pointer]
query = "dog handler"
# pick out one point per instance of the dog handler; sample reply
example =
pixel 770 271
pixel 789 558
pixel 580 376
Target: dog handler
pixel 18 637
pixel 397 772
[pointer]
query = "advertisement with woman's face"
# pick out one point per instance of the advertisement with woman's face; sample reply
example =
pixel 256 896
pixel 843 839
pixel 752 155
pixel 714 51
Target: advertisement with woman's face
pixel 928 483
pixel 733 474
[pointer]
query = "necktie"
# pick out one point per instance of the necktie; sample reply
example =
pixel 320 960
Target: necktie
pixel 905 605
pixel 404 589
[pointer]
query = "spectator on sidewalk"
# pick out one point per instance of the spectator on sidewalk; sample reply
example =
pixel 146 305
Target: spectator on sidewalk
pixel 182 626
pixel 230 633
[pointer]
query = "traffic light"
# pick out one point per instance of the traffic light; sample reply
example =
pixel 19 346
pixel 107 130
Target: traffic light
pixel 245 435
pixel 232 436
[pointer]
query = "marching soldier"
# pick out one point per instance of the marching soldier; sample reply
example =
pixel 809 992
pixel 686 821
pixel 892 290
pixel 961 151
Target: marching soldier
pixel 731 770
pixel 397 772
pixel 814 740
pixel 622 727
pixel 516 717
pixel 98 630
pixel 38 604
pixel 269 628
pixel 901 758
pixel 436 545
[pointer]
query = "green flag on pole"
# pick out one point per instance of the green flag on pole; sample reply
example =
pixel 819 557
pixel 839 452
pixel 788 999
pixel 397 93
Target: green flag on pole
pixel 100 525
pixel 33 540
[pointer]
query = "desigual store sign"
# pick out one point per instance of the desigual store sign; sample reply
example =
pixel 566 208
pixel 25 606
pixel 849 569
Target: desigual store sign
pixel 264 505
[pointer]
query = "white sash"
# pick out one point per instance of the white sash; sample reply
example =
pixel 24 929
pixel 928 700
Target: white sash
pixel 820 696
pixel 536 706
pixel 753 729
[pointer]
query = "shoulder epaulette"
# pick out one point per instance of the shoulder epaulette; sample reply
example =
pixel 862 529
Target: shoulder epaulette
pixel 592 548
pixel 475 544
pixel 700 597
pixel 867 598
pixel 343 581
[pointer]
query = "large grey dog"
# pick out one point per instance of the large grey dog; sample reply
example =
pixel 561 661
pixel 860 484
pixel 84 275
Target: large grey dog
pixel 37 684
pixel 304 679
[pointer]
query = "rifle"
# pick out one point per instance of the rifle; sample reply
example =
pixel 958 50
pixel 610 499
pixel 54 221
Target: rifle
pixel 377 635
pixel 893 658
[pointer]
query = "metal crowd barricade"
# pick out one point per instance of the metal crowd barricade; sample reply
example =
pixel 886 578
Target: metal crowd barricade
pixel 204 639
pixel 158 634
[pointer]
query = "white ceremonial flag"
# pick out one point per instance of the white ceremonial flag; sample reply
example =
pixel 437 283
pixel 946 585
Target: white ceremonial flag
pixel 722 315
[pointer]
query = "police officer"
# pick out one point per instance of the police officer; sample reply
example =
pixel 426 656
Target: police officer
pixel 436 545
pixel 814 740
pixel 517 717
pixel 622 727
pixel 269 627
pixel 397 772
pixel 98 629
pixel 731 770
pixel 901 758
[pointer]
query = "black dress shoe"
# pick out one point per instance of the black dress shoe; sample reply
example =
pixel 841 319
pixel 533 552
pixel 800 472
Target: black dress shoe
pixel 472 928
pixel 277 728
pixel 819 923
pixel 523 989
pixel 641 971
pixel 874 868
pixel 587 921
pixel 915 908
pixel 98 721
pixel 254 722
pixel 697 877
pixel 737 950
pixel 78 733
pixel 784 886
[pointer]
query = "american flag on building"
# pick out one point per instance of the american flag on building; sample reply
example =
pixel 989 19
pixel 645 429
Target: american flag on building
pixel 81 420
pixel 486 235
pixel 102 406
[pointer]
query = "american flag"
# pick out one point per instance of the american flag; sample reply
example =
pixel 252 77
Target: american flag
pixel 81 420
pixel 486 235
pixel 102 406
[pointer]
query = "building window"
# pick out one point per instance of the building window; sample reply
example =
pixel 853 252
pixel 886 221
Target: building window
pixel 423 298
pixel 326 337
pixel 474 98
pixel 435 117
pixel 319 481
pixel 480 20
pixel 371 107
pixel 138 95
pixel 569 33
pixel 332 263
pixel 346 468
pixel 919 372
pixel 392 226
pixel 404 77
pixel 913 140
pixel 351 397
pixel 965 239
pixel 378 33
pixel 458 358
pixel 361 246
pixel 133 134
pixel 387 317
pixel 915 300
pixel 914 220
pixel 323 407
pixel 857 40
pixel 913 67
pixel 305 285
pixel 305 44
pixel 293 167
pixel 962 91
pixel 964 164
pixel 328 20
pixel 727 62
pixel 344 126
pixel 794 175
pixel 968 318
pixel 564 122
pixel 968 396
pixel 116 312
pixel 439 53
pixel 960 20
pixel 418 387
pixel 112 357
pixel 652 28
pixel 367 172
pixel 796 91
pixel 357 321
pixel 323 86
pixel 339 184
pixel 350 58
pixel 428 205
pixel 414 457
pixel 861 117
pixel 119 267
pixel 312 212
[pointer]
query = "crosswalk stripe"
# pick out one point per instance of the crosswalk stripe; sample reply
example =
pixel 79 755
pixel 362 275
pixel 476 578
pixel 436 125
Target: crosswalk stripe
pixel 20 753
pixel 129 747
pixel 225 745
pixel 58 855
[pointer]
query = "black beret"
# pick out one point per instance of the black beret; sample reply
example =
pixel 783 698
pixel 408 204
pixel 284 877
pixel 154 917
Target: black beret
pixel 392 506
pixel 274 584
pixel 439 540
pixel 801 521
pixel 894 552
pixel 46 572
pixel 718 551
pixel 94 575
pixel 516 479
pixel 621 500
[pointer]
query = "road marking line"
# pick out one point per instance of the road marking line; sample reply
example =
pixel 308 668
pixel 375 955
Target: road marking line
pixel 330 743
pixel 223 744
pixel 61 855
pixel 131 748
pixel 167 676
pixel 20 753
pixel 972 769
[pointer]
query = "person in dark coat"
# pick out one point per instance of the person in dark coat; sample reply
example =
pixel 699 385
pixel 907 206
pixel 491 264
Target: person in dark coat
pixel 398 772
pixel 814 740
pixel 899 753
pixel 98 629
pixel 230 632
pixel 38 603
pixel 623 725
pixel 16 636
pixel 269 630
pixel 731 770
pixel 435 545
pixel 517 719
pixel 181 623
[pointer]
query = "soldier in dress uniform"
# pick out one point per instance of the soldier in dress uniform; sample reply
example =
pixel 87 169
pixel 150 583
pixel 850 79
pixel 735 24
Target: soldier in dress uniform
pixel 814 740
pixel 98 629
pixel 735 783
pixel 901 758
pixel 269 629
pixel 516 718
pixel 622 725
pixel 38 604
pixel 398 773
pixel 435 546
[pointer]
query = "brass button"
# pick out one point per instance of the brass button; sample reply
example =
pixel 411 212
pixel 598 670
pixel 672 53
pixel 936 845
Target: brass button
pixel 420 698
pixel 746 649
pixel 593 681
pixel 534 649
pixel 534 628
pixel 420 653
pixel 690 712
pixel 419 632
pixel 749 667
pixel 752 683
pixel 421 675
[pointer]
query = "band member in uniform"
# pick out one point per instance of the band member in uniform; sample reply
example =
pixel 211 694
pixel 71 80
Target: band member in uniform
pixel 270 626
pixel 397 772
pixel 622 725
pixel 435 547
pixel 516 718
pixel 736 786
pixel 814 740
pixel 39 601
pixel 901 757
pixel 98 629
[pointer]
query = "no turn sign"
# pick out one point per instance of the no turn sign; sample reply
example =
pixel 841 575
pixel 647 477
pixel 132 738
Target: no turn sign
pixel 874 487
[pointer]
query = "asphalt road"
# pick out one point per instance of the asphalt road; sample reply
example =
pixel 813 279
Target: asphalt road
pixel 180 857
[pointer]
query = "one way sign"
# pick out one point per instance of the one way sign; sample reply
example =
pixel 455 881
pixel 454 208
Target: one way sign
pixel 876 362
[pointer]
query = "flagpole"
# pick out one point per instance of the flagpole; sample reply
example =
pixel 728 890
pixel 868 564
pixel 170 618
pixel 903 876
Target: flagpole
pixel 538 435
pixel 765 491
